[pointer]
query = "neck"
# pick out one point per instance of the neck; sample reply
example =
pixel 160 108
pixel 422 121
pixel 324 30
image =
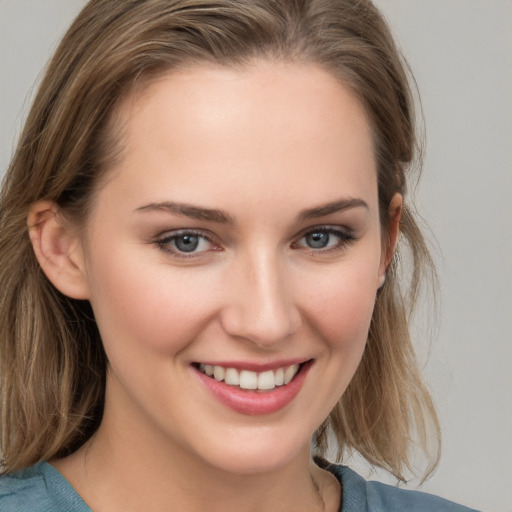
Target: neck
pixel 156 475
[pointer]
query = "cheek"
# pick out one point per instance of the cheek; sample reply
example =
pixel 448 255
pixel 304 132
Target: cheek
pixel 145 306
pixel 338 308
pixel 340 305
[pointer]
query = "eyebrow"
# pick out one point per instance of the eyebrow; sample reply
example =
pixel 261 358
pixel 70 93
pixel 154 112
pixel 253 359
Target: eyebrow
pixel 222 217
pixel 188 210
pixel 334 207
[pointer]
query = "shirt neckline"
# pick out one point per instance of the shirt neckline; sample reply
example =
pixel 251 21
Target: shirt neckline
pixel 351 498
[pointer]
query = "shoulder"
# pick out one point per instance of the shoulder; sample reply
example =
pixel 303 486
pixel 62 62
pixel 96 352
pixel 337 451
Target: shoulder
pixel 39 488
pixel 360 495
pixel 25 490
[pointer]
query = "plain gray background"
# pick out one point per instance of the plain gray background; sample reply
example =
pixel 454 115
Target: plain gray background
pixel 461 54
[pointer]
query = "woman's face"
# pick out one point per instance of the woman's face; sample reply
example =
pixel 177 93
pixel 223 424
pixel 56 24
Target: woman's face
pixel 239 234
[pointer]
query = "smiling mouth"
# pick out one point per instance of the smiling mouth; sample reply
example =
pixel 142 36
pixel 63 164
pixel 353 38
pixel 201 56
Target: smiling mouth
pixel 249 380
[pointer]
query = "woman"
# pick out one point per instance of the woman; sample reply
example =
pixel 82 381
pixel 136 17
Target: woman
pixel 199 254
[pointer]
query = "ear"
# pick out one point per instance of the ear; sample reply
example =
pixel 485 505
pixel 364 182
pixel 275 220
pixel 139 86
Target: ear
pixel 58 249
pixel 393 232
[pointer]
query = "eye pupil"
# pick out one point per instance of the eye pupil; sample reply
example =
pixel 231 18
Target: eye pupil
pixel 317 240
pixel 187 243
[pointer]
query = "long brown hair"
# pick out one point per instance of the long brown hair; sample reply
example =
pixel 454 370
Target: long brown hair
pixel 52 362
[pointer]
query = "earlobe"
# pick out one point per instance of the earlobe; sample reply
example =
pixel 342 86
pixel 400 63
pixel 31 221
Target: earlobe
pixel 58 250
pixel 395 212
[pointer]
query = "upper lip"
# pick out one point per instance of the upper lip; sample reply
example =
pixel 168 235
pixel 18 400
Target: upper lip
pixel 256 366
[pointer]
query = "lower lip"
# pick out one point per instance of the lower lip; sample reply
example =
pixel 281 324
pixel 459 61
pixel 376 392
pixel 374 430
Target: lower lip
pixel 252 402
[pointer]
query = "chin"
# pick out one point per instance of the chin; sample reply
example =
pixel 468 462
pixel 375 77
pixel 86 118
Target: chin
pixel 256 455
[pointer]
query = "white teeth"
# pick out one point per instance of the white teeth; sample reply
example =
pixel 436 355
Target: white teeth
pixel 218 373
pixel 206 368
pixel 266 380
pixel 247 379
pixel 279 378
pixel 232 377
pixel 290 372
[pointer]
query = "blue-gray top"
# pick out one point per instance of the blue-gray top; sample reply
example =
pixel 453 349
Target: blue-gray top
pixel 42 488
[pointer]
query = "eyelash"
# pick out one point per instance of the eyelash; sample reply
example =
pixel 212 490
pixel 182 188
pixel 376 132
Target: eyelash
pixel 345 238
pixel 165 243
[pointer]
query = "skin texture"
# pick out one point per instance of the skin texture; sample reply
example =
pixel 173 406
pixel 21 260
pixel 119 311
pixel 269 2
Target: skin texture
pixel 262 145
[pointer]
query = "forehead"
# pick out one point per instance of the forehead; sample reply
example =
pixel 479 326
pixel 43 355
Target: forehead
pixel 268 126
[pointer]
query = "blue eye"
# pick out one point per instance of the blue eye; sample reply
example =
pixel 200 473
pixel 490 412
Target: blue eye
pixel 325 238
pixel 185 243
pixel 318 240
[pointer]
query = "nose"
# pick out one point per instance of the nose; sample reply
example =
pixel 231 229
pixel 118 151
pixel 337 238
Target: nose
pixel 260 304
